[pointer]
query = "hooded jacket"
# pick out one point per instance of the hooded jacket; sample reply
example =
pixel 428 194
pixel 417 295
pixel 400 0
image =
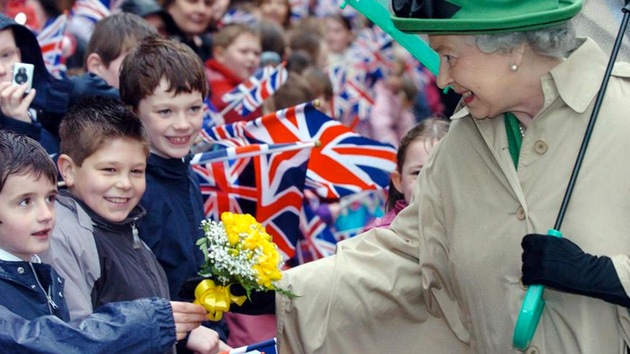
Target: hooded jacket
pixel 52 98
pixel 32 289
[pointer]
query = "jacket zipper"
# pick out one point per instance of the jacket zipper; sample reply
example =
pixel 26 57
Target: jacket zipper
pixel 137 243
pixel 51 303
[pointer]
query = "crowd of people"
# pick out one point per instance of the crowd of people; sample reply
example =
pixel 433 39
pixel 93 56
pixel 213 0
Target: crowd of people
pixel 100 209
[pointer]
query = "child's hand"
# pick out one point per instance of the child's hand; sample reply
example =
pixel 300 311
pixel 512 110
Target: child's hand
pixel 203 340
pixel 187 317
pixel 13 103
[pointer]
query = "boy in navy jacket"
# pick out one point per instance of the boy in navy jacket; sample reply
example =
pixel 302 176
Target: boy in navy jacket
pixel 33 307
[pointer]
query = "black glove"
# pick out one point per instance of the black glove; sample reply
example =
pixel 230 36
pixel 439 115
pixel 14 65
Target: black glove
pixel 560 264
pixel 259 302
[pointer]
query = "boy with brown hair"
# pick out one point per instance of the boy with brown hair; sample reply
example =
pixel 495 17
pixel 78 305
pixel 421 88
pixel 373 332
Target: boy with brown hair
pixel 113 37
pixel 164 83
pixel 95 245
pixel 33 307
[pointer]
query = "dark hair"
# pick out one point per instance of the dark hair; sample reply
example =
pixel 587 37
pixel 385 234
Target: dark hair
pixel 298 62
pixel 271 37
pixel 93 121
pixel 156 59
pixel 116 34
pixel 428 130
pixel 306 42
pixel 20 154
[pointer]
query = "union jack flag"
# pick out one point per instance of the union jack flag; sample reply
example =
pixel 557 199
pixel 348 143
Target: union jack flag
pixel 249 95
pixel 373 51
pixel 318 240
pixel 265 347
pixel 238 16
pixel 344 164
pixel 51 41
pixel 89 12
pixel 266 181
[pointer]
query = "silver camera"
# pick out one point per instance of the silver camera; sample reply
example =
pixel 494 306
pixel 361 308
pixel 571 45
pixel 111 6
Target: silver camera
pixel 23 74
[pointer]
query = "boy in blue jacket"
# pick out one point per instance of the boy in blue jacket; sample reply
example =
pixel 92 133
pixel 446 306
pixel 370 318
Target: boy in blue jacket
pixel 33 307
pixel 164 83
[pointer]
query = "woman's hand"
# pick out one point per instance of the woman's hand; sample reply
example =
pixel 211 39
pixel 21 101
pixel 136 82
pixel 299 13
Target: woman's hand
pixel 562 265
pixel 13 103
pixel 187 317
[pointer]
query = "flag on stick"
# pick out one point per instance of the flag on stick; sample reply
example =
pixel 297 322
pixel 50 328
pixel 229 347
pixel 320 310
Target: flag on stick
pixel 346 162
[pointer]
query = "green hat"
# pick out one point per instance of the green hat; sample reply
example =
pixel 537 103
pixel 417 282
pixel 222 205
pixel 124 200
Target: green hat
pixel 480 16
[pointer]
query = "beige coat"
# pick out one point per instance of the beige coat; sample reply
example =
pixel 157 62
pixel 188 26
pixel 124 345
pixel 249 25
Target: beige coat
pixel 445 278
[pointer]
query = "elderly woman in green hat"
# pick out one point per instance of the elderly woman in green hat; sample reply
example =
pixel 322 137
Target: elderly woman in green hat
pixel 450 274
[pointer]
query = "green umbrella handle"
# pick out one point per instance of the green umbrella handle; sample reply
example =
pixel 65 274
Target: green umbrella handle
pixel 531 310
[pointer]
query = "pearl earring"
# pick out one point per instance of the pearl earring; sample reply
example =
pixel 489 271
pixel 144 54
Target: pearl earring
pixel 514 67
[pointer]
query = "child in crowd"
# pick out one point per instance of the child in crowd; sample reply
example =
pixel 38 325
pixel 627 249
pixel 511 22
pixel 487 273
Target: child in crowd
pixel 294 91
pixel 339 36
pixel 392 113
pixel 33 307
pixel 164 82
pixel 413 152
pixel 48 100
pixel 95 245
pixel 236 56
pixel 113 37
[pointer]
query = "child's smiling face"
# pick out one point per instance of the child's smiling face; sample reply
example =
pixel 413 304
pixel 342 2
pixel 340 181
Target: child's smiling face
pixel 172 121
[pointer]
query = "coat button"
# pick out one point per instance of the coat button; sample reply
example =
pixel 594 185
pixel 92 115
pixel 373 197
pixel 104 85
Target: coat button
pixel 33 286
pixel 60 294
pixel 20 270
pixel 59 280
pixel 540 147
pixel 532 350
pixel 520 213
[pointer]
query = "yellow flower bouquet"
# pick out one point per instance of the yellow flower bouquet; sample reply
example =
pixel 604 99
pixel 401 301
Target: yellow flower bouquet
pixel 237 250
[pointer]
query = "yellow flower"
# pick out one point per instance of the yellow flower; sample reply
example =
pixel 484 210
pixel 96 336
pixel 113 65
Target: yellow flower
pixel 253 260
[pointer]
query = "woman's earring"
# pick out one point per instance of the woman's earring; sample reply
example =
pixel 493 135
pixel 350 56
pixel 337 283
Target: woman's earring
pixel 514 67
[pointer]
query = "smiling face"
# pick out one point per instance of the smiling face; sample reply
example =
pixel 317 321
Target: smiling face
pixel 485 81
pixel 111 181
pixel 242 56
pixel 191 16
pixel 27 214
pixel 172 121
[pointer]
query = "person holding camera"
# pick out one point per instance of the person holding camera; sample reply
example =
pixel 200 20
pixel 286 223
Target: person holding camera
pixel 25 111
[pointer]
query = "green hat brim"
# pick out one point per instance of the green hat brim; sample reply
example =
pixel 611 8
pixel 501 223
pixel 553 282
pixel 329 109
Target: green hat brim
pixel 527 22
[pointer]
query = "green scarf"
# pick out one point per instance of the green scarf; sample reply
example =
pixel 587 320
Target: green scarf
pixel 514 137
